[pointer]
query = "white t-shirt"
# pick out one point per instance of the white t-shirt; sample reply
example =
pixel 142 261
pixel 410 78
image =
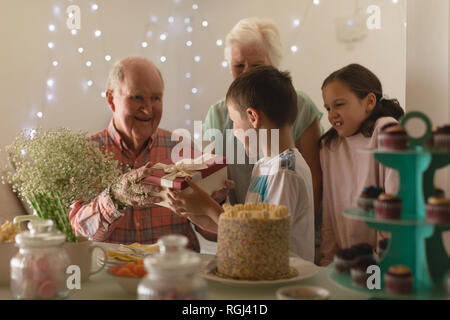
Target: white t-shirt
pixel 286 180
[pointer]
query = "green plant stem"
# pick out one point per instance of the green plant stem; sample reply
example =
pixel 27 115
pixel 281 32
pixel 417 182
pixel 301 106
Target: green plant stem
pixel 51 207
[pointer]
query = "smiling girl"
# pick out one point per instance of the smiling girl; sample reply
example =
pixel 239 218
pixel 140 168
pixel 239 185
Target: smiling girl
pixel 353 97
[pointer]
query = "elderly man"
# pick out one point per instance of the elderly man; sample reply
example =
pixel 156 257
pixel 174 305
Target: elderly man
pixel 121 214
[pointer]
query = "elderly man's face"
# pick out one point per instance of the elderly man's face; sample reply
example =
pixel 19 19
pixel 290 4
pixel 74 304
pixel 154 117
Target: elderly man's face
pixel 247 56
pixel 137 103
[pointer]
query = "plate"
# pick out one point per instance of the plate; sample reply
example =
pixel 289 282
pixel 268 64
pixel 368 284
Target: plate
pixel 305 270
pixel 116 247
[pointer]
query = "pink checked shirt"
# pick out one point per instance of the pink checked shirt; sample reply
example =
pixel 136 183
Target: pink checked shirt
pixel 100 221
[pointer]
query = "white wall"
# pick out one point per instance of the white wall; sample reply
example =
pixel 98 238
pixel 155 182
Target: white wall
pixel 427 72
pixel 26 60
pixel 427 69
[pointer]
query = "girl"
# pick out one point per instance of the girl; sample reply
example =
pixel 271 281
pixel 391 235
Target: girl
pixel 353 97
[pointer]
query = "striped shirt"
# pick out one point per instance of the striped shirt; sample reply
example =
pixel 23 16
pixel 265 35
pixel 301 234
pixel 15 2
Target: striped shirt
pixel 100 221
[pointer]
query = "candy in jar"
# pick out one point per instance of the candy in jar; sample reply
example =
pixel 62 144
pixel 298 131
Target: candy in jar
pixel 38 270
pixel 172 273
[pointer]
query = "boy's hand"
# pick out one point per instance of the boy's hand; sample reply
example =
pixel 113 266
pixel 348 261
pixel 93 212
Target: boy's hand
pixel 198 202
pixel 203 221
pixel 221 195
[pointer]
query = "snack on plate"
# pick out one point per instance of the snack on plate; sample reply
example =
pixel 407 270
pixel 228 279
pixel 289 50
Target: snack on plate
pixel 131 269
pixel 8 232
pixel 125 254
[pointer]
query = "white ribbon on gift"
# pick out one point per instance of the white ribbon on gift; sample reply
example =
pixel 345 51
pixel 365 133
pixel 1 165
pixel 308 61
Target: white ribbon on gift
pixel 178 170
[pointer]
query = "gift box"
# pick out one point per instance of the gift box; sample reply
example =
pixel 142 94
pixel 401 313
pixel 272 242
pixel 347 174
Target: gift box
pixel 209 172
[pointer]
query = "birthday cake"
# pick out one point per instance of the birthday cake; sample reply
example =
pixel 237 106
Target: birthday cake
pixel 253 242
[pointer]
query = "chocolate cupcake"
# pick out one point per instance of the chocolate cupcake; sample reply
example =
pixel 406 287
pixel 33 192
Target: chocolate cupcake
pixel 438 210
pixel 363 249
pixel 343 260
pixel 430 142
pixel 358 270
pixel 393 136
pixel 368 196
pixel 388 207
pixel 382 247
pixel 438 192
pixel 399 280
pixel 441 139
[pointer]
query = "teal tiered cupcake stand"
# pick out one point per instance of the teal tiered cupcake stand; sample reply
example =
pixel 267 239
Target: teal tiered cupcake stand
pixel 414 242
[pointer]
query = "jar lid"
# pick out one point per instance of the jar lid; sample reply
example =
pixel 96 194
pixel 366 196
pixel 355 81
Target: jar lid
pixel 41 233
pixel 173 258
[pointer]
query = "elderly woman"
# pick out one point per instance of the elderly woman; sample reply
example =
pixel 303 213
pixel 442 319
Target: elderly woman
pixel 254 42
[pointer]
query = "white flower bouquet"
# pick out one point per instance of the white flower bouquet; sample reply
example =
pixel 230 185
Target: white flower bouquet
pixel 52 169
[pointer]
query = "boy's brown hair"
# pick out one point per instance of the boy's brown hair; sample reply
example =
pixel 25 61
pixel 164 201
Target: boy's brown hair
pixel 267 89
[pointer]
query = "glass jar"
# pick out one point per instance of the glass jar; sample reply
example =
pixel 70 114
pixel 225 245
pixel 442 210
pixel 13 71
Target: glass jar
pixel 172 273
pixel 38 270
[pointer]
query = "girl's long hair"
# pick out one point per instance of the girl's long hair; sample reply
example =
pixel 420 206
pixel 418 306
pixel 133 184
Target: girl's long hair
pixel 361 82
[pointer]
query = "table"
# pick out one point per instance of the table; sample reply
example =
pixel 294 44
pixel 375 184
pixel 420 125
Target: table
pixel 102 287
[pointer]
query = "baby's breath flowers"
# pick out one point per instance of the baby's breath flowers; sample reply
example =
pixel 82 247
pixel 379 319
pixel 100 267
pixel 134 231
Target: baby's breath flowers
pixel 58 164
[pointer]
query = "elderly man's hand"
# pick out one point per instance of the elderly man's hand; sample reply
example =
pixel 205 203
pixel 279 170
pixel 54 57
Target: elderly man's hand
pixel 130 191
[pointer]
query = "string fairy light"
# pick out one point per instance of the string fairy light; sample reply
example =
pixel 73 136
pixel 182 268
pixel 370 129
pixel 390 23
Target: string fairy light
pixel 160 27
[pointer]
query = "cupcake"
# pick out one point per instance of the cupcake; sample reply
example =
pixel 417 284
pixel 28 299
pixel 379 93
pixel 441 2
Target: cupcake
pixel 343 260
pixel 441 139
pixel 430 141
pixel 368 196
pixel 363 249
pixel 438 210
pixel 398 280
pixel 358 270
pixel 382 247
pixel 438 192
pixel 393 137
pixel 388 207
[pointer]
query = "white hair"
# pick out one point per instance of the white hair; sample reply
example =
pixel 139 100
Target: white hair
pixel 115 76
pixel 256 31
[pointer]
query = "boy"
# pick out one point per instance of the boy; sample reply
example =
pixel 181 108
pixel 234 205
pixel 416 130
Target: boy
pixel 263 100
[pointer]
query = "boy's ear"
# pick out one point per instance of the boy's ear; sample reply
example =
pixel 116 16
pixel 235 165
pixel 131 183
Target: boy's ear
pixel 371 102
pixel 253 117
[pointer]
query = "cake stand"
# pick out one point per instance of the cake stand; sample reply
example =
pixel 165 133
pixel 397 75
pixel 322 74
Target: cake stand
pixel 414 242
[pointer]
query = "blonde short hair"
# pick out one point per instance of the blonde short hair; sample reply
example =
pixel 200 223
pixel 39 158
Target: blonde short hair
pixel 256 31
